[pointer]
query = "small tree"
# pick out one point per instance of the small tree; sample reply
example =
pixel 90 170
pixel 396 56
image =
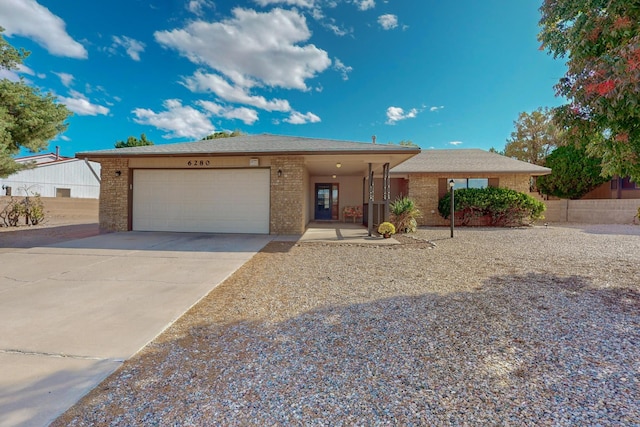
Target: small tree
pixel 573 174
pixel 223 134
pixel 535 137
pixel 132 141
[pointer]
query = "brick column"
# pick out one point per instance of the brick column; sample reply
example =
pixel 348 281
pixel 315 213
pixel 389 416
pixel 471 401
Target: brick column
pixel 288 195
pixel 114 195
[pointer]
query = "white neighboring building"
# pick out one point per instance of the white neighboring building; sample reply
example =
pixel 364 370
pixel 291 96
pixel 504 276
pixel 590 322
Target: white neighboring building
pixel 54 176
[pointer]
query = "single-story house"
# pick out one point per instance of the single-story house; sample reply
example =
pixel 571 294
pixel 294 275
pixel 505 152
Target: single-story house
pixel 245 184
pixel 53 175
pixel 278 184
pixel 425 177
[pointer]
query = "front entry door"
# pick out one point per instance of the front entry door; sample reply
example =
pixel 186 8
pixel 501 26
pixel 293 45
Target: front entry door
pixel 326 206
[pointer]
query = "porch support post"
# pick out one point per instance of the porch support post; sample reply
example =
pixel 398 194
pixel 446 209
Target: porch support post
pixel 371 195
pixel 386 193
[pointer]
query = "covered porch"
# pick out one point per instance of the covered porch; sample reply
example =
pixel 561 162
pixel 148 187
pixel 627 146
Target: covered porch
pixel 352 188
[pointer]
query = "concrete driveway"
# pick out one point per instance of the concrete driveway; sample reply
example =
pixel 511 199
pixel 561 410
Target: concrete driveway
pixel 71 313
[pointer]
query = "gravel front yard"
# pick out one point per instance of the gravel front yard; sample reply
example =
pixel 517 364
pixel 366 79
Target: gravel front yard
pixel 531 326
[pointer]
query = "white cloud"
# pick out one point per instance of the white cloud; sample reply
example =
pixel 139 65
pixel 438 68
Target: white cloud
pixel 455 143
pixel 395 114
pixel 179 121
pixel 296 118
pixel 247 115
pixel 133 47
pixel 197 6
pixel 80 105
pixel 299 3
pixel 434 108
pixel 388 21
pixel 337 30
pixel 64 137
pixel 365 4
pixel 14 75
pixel 10 75
pixel 30 19
pixel 341 68
pixel 65 78
pixel 252 48
pixel 206 82
pixel 26 70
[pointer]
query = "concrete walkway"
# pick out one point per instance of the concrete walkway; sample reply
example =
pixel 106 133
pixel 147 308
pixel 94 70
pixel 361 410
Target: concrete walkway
pixel 71 313
pixel 340 232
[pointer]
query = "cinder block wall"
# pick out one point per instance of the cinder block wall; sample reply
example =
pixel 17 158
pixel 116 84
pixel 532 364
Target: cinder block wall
pixel 605 211
pixel 288 194
pixel 114 195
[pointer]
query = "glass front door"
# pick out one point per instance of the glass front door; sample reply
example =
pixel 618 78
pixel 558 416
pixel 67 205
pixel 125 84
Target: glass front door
pixel 326 204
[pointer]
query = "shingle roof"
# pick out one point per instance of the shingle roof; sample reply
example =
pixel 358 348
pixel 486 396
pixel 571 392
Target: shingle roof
pixel 252 145
pixel 466 161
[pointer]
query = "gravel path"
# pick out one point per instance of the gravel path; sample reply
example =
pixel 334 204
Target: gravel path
pixel 532 326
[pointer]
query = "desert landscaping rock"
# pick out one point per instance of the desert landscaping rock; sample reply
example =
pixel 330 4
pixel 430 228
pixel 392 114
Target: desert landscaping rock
pixel 526 326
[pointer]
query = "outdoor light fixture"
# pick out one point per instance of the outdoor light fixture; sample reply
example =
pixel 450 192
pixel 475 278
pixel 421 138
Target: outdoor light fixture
pixel 118 173
pixel 279 173
pixel 333 176
pixel 452 183
pixel 338 165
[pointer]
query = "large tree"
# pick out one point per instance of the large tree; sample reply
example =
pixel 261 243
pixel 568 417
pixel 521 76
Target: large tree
pixel 574 173
pixel 132 141
pixel 536 136
pixel 28 118
pixel 601 41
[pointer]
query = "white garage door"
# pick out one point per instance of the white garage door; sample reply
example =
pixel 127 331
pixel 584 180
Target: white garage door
pixel 209 200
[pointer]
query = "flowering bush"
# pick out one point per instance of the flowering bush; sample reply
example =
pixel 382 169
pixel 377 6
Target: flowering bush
pixel 386 228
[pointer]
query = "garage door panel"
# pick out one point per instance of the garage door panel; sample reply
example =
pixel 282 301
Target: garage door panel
pixel 211 200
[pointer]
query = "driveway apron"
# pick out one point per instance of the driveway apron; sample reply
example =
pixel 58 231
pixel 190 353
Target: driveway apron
pixel 72 313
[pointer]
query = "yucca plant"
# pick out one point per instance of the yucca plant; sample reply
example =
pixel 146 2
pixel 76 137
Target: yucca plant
pixel 404 215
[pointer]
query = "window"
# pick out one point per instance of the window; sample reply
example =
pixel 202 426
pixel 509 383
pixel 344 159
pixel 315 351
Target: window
pixel 469 183
pixel 627 184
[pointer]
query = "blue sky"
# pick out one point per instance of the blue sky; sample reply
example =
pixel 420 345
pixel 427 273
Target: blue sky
pixel 441 74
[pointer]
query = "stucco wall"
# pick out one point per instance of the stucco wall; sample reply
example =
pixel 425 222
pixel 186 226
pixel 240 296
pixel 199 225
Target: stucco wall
pixel 349 192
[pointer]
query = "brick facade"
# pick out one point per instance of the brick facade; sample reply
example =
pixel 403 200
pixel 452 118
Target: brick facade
pixel 288 195
pixel 114 195
pixel 289 199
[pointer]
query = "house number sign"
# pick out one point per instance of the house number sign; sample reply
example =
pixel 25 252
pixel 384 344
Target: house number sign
pixel 198 163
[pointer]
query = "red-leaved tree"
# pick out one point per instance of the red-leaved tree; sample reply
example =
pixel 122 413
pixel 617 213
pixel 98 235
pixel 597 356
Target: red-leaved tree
pixel 601 41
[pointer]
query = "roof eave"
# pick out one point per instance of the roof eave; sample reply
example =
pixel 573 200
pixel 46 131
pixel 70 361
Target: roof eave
pixel 94 155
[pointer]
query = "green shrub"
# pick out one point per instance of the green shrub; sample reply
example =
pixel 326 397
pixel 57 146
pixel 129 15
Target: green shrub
pixel 404 215
pixel 505 207
pixel 33 209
